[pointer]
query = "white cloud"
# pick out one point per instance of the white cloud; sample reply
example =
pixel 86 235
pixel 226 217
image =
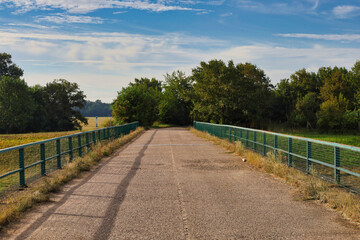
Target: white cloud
pixel 86 6
pixel 283 8
pixel 102 62
pixel 65 18
pixel 333 37
pixel 346 11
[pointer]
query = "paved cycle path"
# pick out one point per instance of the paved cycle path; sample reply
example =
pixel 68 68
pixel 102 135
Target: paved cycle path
pixel 170 184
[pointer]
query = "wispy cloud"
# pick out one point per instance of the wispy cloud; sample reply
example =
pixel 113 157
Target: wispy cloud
pixel 346 11
pixel 86 6
pixel 65 18
pixel 332 37
pixel 283 8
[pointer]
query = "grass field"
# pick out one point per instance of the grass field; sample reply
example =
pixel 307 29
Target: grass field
pixel 10 140
pixel 348 139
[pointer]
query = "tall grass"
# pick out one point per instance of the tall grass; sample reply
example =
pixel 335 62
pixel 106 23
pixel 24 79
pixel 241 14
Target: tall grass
pixel 14 205
pixel 309 187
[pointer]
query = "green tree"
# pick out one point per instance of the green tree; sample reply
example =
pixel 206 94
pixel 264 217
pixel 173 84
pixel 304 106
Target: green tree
pixel 331 114
pixel 306 109
pixel 8 68
pixel 230 94
pixel 16 105
pixel 138 102
pixel 63 100
pixel 175 104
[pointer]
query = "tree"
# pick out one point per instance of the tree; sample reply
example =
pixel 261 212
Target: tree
pixel 16 105
pixel 306 109
pixel 138 102
pixel 230 94
pixel 8 68
pixel 96 109
pixel 62 103
pixel 331 114
pixel 175 104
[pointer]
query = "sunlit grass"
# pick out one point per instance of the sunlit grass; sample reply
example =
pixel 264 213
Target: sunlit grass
pixel 10 140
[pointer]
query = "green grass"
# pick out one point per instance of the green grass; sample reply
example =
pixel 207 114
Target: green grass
pixel 162 125
pixel 348 139
pixel 10 140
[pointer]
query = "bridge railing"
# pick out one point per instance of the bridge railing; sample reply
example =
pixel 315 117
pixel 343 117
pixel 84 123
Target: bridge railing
pixel 336 163
pixel 22 164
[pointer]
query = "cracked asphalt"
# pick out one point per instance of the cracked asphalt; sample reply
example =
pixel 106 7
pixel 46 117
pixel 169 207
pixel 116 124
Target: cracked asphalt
pixel 170 184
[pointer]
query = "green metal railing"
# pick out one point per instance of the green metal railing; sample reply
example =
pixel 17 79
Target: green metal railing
pixel 22 164
pixel 336 163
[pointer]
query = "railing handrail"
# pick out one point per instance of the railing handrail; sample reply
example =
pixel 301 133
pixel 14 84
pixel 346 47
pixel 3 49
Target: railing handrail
pixel 344 146
pixel 57 138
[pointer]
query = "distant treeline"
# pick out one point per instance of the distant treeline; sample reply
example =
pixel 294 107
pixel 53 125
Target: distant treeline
pixel 53 107
pixel 243 95
pixel 96 109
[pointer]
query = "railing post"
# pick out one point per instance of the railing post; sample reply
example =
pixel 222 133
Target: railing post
pixel 247 138
pixel 290 161
pixel 276 145
pixel 264 143
pixel 308 157
pixel 99 135
pixel 229 134
pixel 254 141
pixel 70 149
pixel 42 158
pixel 79 144
pixel 58 152
pixel 87 141
pixel 22 168
pixel 337 164
pixel 94 137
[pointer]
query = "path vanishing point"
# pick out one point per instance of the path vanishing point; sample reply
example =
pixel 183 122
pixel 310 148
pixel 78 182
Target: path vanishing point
pixel 170 184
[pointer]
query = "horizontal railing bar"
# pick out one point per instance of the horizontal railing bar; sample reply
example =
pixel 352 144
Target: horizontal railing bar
pixel 57 138
pixel 348 171
pixel 343 146
pixel 33 164
pixel 10 173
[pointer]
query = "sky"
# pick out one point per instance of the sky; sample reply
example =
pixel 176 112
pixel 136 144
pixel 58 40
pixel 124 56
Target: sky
pixel 105 44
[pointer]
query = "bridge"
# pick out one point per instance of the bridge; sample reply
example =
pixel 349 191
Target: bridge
pixel 171 184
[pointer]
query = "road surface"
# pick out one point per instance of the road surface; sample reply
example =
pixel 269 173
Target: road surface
pixel 170 184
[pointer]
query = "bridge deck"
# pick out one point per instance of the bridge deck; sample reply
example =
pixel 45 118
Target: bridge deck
pixel 170 184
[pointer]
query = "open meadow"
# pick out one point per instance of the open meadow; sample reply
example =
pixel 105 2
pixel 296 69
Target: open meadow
pixel 10 140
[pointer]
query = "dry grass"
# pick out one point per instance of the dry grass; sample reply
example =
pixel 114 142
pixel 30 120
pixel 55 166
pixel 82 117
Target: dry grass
pixel 309 187
pixel 14 205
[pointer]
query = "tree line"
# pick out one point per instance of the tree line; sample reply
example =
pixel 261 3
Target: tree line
pixel 242 94
pixel 53 107
pixel 96 109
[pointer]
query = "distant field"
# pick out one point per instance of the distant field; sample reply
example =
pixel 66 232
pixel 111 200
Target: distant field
pixel 348 139
pixel 10 140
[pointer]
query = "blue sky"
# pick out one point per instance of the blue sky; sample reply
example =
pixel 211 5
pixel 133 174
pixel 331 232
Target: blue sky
pixel 103 45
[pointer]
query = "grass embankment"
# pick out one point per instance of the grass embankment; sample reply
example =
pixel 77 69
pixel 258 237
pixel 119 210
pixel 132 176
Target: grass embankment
pixel 308 187
pixel 10 140
pixel 17 203
pixel 350 138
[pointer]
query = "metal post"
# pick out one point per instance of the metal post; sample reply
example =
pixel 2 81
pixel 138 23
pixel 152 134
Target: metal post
pixel 276 145
pixel 264 143
pixel 22 168
pixel 229 134
pixel 247 138
pixel 308 157
pixel 70 149
pixel 94 138
pixel 290 160
pixel 337 164
pixel 79 145
pixel 254 141
pixel 42 158
pixel 58 152
pixel 87 141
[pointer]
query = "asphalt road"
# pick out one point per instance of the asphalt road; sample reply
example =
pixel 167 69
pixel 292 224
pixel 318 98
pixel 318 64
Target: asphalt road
pixel 170 184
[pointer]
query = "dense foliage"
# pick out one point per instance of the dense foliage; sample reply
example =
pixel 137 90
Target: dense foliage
pixel 96 109
pixel 242 95
pixel 53 107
